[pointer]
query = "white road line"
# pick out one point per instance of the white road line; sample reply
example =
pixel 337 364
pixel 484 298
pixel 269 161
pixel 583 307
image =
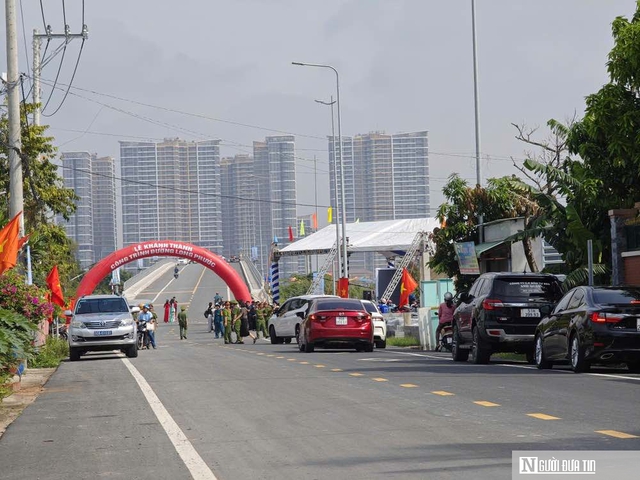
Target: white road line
pixel 193 461
pixel 163 289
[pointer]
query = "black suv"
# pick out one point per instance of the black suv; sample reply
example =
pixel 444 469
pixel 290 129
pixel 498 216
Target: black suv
pixel 500 314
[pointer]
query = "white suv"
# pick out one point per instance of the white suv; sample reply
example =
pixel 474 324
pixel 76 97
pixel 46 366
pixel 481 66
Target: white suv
pixel 379 324
pixel 283 326
pixel 102 322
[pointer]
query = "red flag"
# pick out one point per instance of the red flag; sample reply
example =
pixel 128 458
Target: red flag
pixel 9 244
pixel 314 221
pixel 407 286
pixel 53 282
pixel 22 241
pixel 343 287
pixel 290 234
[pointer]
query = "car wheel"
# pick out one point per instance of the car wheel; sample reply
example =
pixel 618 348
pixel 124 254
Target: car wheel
pixel 538 354
pixel 272 336
pixel 530 357
pixel 298 339
pixel 308 347
pixel 479 354
pixel 368 347
pixel 359 347
pixel 381 343
pixel 74 354
pixel 634 367
pixel 457 353
pixel 287 340
pixel 132 351
pixel 576 355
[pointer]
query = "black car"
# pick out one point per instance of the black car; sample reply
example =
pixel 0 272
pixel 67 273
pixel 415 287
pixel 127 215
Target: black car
pixel 592 325
pixel 500 314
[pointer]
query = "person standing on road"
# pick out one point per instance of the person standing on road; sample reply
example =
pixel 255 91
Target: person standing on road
pixel 218 321
pixel 166 311
pixel 445 316
pixel 208 314
pixel 227 322
pixel 217 299
pixel 145 317
pixel 182 321
pixel 151 326
pixel 172 312
pixel 236 318
pixel 261 322
pixel 244 323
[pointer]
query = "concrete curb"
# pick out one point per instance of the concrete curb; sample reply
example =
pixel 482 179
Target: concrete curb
pixel 133 291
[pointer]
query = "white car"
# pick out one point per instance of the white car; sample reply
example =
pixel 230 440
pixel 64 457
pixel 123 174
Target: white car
pixel 379 324
pixel 284 325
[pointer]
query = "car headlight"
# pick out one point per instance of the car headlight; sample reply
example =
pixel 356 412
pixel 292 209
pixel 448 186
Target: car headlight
pixel 126 322
pixel 78 324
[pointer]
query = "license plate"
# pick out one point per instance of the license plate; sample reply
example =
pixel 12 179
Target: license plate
pixel 638 324
pixel 341 320
pixel 103 333
pixel 529 313
pixel 449 339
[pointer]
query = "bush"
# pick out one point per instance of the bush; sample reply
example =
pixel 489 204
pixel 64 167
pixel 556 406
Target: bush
pixel 51 354
pixel 403 342
pixel 16 336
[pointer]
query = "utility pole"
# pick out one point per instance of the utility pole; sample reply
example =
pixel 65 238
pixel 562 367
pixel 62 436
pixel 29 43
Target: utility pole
pixel 39 63
pixel 16 200
pixel 476 105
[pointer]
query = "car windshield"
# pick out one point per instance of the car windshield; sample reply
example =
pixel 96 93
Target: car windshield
pixel 102 305
pixel 542 288
pixel 370 307
pixel 339 304
pixel 625 296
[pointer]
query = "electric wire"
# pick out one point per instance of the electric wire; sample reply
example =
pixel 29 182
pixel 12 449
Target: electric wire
pixel 24 36
pixel 44 22
pixel 73 76
pixel 64 15
pixel 64 51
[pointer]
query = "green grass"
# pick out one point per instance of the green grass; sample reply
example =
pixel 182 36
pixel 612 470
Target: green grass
pixel 5 390
pixel 51 354
pixel 403 342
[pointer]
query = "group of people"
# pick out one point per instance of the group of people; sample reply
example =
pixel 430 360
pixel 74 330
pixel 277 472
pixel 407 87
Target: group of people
pixel 245 319
pixel 149 319
pixel 170 310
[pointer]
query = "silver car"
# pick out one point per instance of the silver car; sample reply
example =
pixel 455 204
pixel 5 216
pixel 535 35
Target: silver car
pixel 102 323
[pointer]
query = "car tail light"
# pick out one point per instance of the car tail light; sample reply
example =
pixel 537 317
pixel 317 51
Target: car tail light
pixel 597 317
pixel 491 304
pixel 312 317
pixel 318 318
pixel 363 318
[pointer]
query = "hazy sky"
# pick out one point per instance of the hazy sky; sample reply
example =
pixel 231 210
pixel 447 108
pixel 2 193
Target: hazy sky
pixel 405 65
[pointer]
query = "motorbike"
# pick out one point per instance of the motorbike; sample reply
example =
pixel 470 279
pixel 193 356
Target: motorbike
pixel 445 342
pixel 143 339
pixel 59 329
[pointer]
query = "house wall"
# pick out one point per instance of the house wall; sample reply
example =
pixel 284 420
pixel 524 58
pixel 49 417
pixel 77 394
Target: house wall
pixel 631 261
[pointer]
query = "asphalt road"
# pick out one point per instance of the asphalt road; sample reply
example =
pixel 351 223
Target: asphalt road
pixel 270 412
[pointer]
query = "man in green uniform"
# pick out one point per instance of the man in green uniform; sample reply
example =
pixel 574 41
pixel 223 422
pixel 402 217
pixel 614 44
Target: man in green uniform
pixel 261 322
pixel 236 317
pixel 227 322
pixel 182 321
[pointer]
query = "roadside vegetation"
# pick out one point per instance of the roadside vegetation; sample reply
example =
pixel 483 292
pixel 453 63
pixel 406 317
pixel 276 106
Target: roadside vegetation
pixel 403 342
pixel 51 354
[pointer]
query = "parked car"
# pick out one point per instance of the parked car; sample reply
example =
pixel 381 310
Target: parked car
pixel 592 325
pixel 335 321
pixel 102 323
pixel 284 324
pixel 379 324
pixel 500 313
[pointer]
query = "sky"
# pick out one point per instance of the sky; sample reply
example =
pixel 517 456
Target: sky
pixel 405 65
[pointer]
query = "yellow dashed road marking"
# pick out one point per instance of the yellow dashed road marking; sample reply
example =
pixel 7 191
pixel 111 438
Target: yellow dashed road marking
pixel 487 404
pixel 279 357
pixel 259 353
pixel 542 416
pixel 614 433
pixel 379 379
pixel 408 385
pixel 336 369
pixel 319 366
pixel 270 355
pixel 304 363
pixel 442 393
pixel 357 374
pixel 291 359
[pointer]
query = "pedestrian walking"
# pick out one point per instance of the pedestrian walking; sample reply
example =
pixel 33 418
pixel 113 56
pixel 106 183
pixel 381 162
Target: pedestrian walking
pixel 227 322
pixel 244 324
pixel 236 318
pixel 182 321
pixel 175 308
pixel 253 315
pixel 151 327
pixel 261 320
pixel 166 311
pixel 218 321
pixel 208 314
pixel 217 299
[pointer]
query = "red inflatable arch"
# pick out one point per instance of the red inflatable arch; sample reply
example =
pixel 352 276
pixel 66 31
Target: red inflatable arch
pixel 164 248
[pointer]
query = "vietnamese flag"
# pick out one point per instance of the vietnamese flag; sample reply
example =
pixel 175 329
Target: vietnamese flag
pixel 9 244
pixel 343 287
pixel 407 286
pixel 290 234
pixel 53 282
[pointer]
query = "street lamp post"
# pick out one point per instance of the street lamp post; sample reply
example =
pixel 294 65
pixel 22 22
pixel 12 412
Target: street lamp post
pixel 343 209
pixel 476 110
pixel 335 181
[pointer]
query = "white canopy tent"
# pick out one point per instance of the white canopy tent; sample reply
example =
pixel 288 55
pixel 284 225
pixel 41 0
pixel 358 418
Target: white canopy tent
pixel 388 237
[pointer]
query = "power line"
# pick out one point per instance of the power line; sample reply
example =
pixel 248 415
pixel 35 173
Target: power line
pixel 75 69
pixel 44 22
pixel 64 51
pixel 24 36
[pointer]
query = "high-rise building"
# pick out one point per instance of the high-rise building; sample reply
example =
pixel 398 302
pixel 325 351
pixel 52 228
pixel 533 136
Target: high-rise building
pixel 239 187
pixel 275 174
pixel 171 191
pixel 104 207
pixel 76 172
pixel 386 177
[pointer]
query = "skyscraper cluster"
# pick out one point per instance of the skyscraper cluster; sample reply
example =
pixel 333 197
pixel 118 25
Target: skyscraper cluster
pixel 183 190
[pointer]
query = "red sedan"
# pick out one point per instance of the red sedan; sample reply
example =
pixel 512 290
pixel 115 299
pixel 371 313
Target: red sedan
pixel 335 321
